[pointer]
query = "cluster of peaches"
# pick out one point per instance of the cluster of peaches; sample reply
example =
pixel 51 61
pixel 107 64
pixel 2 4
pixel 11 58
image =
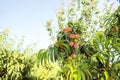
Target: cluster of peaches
pixel 73 39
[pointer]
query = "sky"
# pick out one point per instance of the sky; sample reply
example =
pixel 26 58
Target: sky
pixel 28 18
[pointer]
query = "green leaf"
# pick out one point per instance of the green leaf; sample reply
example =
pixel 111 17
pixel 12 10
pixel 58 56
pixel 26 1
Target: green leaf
pixel 71 69
pixel 82 75
pixel 79 75
pixel 101 58
pixel 75 76
pixel 102 78
pixel 66 46
pixel 117 66
pixel 106 75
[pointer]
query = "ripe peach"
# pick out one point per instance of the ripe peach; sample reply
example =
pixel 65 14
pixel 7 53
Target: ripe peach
pixel 71 43
pixel 74 55
pixel 72 36
pixel 76 46
pixel 64 30
pixel 77 36
pixel 68 29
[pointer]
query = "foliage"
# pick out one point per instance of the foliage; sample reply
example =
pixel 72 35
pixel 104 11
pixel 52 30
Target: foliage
pixel 86 47
pixel 21 64
pixel 47 72
pixel 97 53
pixel 14 63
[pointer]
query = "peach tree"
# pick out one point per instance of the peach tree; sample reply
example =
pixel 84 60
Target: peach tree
pixel 87 43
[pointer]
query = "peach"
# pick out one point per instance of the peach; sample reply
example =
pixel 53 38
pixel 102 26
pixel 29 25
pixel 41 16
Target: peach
pixel 74 55
pixel 72 36
pixel 71 43
pixel 77 36
pixel 76 46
